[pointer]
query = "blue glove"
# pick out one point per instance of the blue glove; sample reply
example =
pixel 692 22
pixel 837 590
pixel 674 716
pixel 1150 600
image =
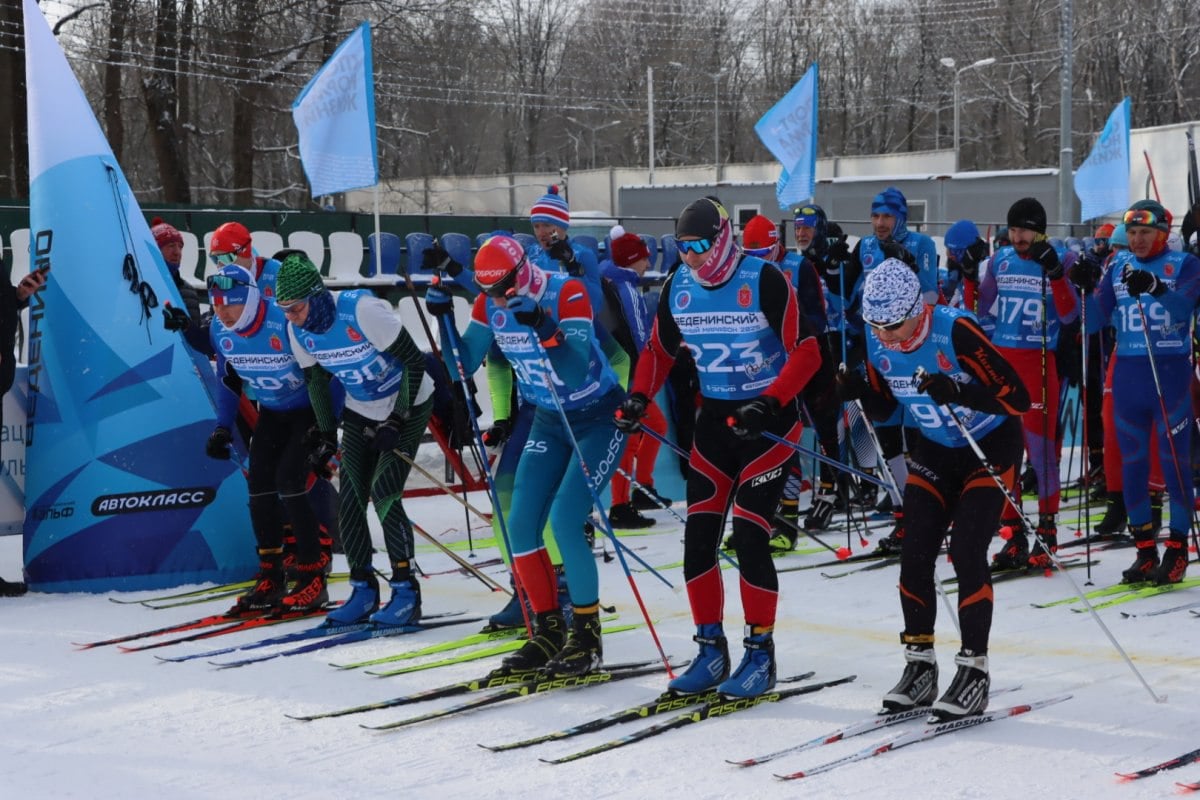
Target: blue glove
pixel 439 302
pixel 528 312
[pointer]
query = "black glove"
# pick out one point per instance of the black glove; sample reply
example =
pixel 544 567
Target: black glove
pixel 561 252
pixel 941 388
pixel 1139 281
pixel 386 435
pixel 898 251
pixel 437 259
pixel 973 256
pixel 849 384
pixel 176 319
pixel 322 446
pixel 748 421
pixel 497 434
pixel 527 312
pixel 439 302
pixel 839 251
pixel 218 443
pixel 1085 273
pixel 1043 253
pixel 628 416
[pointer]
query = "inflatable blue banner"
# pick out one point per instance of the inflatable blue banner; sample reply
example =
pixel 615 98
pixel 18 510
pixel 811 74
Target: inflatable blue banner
pixel 119 494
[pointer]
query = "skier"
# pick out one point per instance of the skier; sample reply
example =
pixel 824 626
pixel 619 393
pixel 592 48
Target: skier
pixel 947 486
pixel 1035 299
pixel 247 339
pixel 739 317
pixel 542 322
pixel 760 238
pixel 388 402
pixel 1151 294
pixel 890 238
pixel 629 259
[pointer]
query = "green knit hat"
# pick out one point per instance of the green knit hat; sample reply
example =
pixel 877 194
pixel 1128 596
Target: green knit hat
pixel 298 279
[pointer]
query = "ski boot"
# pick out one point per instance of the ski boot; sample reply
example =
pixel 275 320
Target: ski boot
pixel 269 585
pixel 626 517
pixel 549 637
pixel 404 606
pixel 756 674
pixel 885 505
pixel 510 616
pixel 362 602
pixel 968 692
pixel 309 590
pixel 1174 562
pixel 821 510
pixel 1029 481
pixel 711 665
pixel 1114 515
pixel 867 493
pixel 1146 563
pixel 12 588
pixel 894 541
pixel 1013 554
pixel 645 498
pixel 1047 538
pixel 583 652
pixel 784 532
pixel 919 683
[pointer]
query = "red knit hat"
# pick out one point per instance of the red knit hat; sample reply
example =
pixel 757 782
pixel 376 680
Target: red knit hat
pixel 164 232
pixel 626 248
pixel 759 235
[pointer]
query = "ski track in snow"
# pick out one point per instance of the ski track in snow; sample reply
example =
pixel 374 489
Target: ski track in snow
pixel 101 722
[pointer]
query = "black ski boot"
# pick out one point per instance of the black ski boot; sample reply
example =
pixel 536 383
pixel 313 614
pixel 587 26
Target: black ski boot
pixel 1047 539
pixel 12 588
pixel 821 511
pixel 894 541
pixel 919 683
pixel 583 652
pixel 269 585
pixel 1013 554
pixel 549 636
pixel 1174 562
pixel 1144 566
pixel 968 692
pixel 1114 516
pixel 626 517
pixel 645 498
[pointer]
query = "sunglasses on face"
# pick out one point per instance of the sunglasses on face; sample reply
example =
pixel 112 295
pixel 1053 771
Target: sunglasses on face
pixel 502 287
pixel 223 282
pixel 893 326
pixel 696 246
pixel 1141 216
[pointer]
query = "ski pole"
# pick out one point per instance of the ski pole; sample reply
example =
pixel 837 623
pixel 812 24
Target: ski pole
pixel 995 476
pixel 671 511
pixel 451 334
pixel 457 559
pixel 833 462
pixel 443 486
pixel 1084 459
pixel 552 378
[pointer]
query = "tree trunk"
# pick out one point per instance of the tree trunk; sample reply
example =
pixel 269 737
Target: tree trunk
pixel 14 139
pixel 244 105
pixel 159 89
pixel 114 123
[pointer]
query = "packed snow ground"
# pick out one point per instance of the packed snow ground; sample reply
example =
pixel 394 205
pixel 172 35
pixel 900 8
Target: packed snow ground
pixel 105 723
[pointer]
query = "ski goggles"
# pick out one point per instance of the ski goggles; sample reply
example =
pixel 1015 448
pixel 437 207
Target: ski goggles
pixel 223 282
pixel 696 246
pixel 894 326
pixel 1145 216
pixel 805 215
pixel 225 259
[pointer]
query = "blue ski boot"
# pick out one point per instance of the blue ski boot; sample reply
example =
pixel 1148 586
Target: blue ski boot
pixel 756 674
pixel 404 608
pixel 510 616
pixel 363 600
pixel 710 667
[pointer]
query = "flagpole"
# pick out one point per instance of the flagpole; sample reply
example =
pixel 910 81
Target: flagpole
pixel 378 244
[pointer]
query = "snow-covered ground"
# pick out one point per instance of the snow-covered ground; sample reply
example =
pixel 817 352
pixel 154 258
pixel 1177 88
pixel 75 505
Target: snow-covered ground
pixel 105 723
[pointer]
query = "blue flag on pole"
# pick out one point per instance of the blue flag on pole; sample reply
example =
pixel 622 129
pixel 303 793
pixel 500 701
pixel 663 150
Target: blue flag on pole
pixel 1102 181
pixel 789 131
pixel 335 119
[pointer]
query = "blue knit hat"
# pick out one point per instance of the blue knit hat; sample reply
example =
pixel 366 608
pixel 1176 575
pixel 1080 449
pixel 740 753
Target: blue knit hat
pixel 891 201
pixel 961 235
pixel 551 209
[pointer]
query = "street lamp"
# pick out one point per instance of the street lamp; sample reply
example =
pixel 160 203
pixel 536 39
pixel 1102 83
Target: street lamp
pixel 717 124
pixel 650 109
pixel 950 63
pixel 585 126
